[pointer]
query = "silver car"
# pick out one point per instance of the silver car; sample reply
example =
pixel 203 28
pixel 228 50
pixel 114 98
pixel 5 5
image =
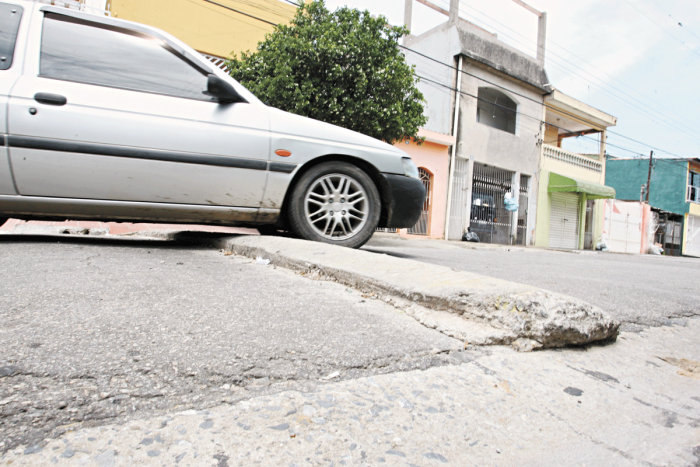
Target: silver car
pixel 113 120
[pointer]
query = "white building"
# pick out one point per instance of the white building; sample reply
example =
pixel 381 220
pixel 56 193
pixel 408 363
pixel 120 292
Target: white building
pixel 496 118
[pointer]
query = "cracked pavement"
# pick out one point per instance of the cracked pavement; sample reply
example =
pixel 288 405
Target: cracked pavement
pixel 637 290
pixel 116 353
pixel 93 331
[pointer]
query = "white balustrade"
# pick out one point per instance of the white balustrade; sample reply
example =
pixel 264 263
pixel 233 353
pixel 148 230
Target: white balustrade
pixel 559 154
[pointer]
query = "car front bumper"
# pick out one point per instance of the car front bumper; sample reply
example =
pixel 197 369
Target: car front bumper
pixel 403 201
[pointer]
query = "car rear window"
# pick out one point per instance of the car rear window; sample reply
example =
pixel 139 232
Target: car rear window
pixel 10 15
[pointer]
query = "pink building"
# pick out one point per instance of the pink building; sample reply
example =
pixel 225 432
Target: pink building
pixel 432 159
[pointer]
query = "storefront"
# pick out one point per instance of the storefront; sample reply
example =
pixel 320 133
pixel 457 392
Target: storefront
pixel 569 200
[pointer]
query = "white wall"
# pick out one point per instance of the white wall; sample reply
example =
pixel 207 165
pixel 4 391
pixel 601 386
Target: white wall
pixel 518 152
pixel 96 4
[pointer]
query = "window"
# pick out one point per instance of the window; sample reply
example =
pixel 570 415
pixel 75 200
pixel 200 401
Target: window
pixel 75 50
pixel 10 15
pixel 694 187
pixel 496 110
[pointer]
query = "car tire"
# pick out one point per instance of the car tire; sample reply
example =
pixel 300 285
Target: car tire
pixel 337 203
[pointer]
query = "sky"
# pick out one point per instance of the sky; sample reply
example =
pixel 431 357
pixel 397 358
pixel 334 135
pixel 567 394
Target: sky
pixel 638 60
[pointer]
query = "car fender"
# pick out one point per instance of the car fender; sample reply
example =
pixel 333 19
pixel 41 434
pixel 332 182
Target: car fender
pixel 302 140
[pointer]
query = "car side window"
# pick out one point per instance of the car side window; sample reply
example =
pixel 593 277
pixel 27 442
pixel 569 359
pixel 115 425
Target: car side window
pixel 92 53
pixel 10 15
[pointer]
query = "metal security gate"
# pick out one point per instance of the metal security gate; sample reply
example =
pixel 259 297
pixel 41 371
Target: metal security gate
pixel 692 243
pixel 672 238
pixel 563 221
pixel 421 227
pixel 522 210
pixel 489 218
pixel 588 229
pixel 458 205
pixel 669 228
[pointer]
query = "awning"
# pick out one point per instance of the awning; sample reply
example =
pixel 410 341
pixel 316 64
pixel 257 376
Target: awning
pixel 560 183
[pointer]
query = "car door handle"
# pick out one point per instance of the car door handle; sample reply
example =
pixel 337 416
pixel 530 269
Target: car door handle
pixel 50 99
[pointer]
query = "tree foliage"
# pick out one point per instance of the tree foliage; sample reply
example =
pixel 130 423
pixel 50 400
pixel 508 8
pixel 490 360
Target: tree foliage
pixel 341 67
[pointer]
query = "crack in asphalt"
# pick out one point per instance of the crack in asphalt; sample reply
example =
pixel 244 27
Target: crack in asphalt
pixel 41 404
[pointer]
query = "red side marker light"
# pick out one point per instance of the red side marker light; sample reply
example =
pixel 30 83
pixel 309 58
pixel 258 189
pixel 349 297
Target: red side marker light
pixel 283 153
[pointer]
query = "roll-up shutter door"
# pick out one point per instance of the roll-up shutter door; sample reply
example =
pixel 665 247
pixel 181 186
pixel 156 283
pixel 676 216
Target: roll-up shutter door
pixel 692 244
pixel 563 221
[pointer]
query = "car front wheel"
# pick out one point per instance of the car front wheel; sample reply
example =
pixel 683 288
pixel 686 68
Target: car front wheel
pixel 337 203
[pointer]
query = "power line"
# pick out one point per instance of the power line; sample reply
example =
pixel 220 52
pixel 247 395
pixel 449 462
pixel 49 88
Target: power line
pixel 662 28
pixel 613 95
pixel 446 86
pixel 269 9
pixel 675 20
pixel 525 97
pixel 601 88
pixel 196 2
pixel 482 79
pixel 240 12
pixel 608 144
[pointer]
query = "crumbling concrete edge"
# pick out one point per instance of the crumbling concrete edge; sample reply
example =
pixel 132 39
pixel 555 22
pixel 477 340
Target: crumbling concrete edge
pixel 527 319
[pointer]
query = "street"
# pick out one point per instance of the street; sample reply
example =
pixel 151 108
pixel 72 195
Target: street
pixel 97 330
pixel 638 290
pixel 224 224
pixel 125 351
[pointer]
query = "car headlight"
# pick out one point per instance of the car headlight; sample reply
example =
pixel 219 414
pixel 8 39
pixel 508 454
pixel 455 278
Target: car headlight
pixel 409 168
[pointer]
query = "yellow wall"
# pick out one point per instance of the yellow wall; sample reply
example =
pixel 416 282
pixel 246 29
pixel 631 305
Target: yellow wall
pixel 205 26
pixel 694 209
pixel 544 201
pixel 551 135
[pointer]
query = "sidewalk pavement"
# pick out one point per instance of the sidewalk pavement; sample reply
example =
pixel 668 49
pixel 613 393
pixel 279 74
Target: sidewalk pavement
pixel 16 226
pixel 632 403
pixel 467 306
pixel 470 307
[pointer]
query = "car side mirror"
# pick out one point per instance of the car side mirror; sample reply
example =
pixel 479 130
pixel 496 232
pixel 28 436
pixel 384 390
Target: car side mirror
pixel 222 90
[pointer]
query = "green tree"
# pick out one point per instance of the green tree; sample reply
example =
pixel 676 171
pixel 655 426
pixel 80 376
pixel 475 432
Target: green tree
pixel 341 67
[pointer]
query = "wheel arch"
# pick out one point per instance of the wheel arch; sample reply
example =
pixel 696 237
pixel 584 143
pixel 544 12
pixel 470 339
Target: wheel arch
pixel 367 167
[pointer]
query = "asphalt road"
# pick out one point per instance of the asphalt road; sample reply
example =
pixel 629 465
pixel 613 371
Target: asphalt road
pixel 96 331
pixel 105 345
pixel 638 290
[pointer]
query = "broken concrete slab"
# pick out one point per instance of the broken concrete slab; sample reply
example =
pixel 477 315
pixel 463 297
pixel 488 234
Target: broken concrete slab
pixel 496 311
pixel 502 408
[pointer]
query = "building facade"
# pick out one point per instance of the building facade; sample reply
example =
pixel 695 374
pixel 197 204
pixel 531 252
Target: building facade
pixel 570 210
pixel 431 156
pixel 215 28
pixel 673 194
pixel 490 97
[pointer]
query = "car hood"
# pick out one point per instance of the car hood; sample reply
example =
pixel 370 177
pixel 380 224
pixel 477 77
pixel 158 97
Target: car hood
pixel 288 124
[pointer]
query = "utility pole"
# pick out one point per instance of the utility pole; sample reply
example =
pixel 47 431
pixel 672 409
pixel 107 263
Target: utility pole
pixel 651 157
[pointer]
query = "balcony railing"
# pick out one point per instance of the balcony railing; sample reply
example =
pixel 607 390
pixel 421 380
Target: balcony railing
pixel 559 154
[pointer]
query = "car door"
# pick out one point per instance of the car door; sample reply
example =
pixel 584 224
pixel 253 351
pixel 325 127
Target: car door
pixel 10 69
pixel 112 113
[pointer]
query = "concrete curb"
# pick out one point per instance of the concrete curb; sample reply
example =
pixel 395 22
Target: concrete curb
pixel 494 311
